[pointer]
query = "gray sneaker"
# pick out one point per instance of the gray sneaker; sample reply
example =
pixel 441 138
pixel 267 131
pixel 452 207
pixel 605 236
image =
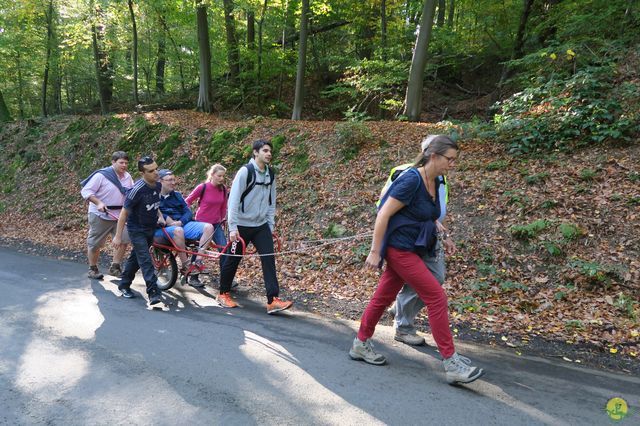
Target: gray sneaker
pixel 409 338
pixel 363 351
pixel 94 274
pixel 115 270
pixel 460 370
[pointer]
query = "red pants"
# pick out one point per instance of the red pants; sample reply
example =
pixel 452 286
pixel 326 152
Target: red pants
pixel 407 267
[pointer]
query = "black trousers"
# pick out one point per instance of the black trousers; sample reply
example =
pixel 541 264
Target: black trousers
pixel 262 239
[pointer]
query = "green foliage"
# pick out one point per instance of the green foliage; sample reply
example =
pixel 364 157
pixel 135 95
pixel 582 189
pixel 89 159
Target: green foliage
pixel 225 148
pixel 370 83
pixel 573 325
pixel 529 231
pixel 552 248
pixel 548 204
pixel 352 136
pixel 300 159
pixel 497 165
pixel 578 110
pixel 592 272
pixel 588 174
pixel 536 178
pixel 334 230
pixel 516 197
pixel 182 165
pixel 570 231
pixel 627 305
pixel 512 286
pixel 464 304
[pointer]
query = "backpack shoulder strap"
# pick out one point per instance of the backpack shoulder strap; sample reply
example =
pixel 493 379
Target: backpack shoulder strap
pixel 204 187
pixel 251 182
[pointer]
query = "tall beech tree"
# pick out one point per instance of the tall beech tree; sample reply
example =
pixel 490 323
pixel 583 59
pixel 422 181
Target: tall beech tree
pixel 205 97
pixel 413 98
pixel 233 54
pixel 4 111
pixel 47 63
pixel 134 33
pixel 302 62
pixel 102 61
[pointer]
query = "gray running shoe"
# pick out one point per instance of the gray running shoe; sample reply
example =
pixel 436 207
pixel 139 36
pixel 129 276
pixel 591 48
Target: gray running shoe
pixel 460 370
pixel 409 338
pixel 363 351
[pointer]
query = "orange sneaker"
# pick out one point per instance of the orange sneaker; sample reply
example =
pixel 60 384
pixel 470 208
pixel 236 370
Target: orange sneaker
pixel 278 305
pixel 225 300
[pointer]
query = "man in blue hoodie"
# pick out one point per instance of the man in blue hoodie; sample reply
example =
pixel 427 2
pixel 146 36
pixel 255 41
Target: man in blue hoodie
pixel 180 223
pixel 251 216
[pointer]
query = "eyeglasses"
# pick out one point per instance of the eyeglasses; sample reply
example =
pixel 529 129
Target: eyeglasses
pixel 145 160
pixel 450 159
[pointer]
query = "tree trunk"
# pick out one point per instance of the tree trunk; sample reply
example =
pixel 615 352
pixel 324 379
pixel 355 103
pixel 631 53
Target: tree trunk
pixel 251 30
pixel 102 63
pixel 383 28
pixel 4 111
pixel 160 65
pixel 260 25
pixel 177 51
pixel 451 15
pixel 302 62
pixel 233 56
pixel 519 41
pixel 45 79
pixel 205 103
pixel 413 99
pixel 441 7
pixel 134 30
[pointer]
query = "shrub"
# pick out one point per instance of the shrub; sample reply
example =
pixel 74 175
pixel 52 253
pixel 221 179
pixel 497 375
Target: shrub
pixel 570 231
pixel 578 110
pixel 352 137
pixel 526 232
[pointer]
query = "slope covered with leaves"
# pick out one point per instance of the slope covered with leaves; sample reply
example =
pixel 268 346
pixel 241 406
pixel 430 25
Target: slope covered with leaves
pixel 548 246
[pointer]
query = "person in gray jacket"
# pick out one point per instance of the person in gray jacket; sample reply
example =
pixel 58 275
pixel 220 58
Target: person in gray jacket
pixel 251 216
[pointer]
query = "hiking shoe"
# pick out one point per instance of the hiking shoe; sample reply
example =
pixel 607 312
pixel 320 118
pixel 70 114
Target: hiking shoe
pixel 155 298
pixel 409 338
pixel 392 310
pixel 115 270
pixel 94 274
pixel 127 293
pixel 363 351
pixel 278 305
pixel 195 282
pixel 460 370
pixel 226 301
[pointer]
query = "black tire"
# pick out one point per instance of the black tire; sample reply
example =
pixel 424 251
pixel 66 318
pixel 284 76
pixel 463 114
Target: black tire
pixel 166 267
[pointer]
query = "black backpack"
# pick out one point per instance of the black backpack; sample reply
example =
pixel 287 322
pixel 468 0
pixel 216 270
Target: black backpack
pixel 251 182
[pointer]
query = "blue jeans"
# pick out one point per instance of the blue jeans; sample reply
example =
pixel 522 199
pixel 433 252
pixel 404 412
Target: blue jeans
pixel 219 239
pixel 140 258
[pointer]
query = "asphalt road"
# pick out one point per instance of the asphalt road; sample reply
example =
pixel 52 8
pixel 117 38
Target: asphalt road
pixel 73 352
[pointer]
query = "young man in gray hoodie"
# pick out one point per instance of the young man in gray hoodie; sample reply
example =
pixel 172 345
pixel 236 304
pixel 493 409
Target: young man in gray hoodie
pixel 251 216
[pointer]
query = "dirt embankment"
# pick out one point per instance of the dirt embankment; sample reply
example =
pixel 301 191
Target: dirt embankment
pixel 548 249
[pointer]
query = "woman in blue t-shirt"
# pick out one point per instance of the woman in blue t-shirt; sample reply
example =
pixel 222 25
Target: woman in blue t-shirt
pixel 405 231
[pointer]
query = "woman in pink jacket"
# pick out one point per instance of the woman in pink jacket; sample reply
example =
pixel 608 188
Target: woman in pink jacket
pixel 212 203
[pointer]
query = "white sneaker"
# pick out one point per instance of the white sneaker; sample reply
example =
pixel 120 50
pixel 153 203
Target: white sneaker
pixel 363 351
pixel 460 370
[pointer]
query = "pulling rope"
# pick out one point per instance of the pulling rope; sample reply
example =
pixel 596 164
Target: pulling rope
pixel 232 246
